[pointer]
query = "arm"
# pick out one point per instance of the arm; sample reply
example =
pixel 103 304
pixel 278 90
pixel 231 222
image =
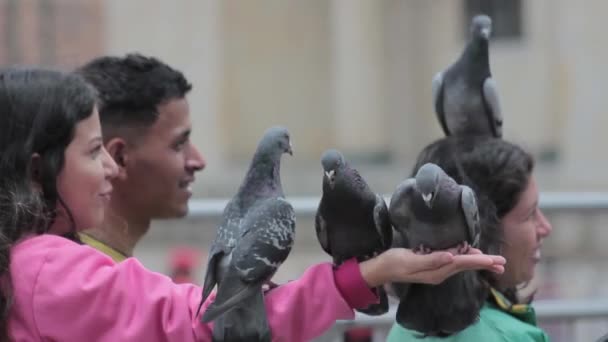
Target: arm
pixel 305 308
pixel 81 295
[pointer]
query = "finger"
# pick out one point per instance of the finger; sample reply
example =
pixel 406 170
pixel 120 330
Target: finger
pixel 473 258
pixel 461 263
pixel 433 260
pixel 474 251
pixel 498 259
pixel 472 262
pixel 498 269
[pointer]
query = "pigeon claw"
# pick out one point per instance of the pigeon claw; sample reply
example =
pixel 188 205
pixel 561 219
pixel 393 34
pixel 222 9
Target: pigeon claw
pixel 422 249
pixel 269 285
pixel 463 248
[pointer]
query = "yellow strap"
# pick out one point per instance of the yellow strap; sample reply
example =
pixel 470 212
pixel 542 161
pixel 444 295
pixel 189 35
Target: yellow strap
pixel 102 247
pixel 506 305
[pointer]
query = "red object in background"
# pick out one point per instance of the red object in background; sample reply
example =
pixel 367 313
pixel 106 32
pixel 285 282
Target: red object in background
pixel 359 334
pixel 183 262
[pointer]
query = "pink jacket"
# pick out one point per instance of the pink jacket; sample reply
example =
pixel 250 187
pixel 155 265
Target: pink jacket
pixel 68 292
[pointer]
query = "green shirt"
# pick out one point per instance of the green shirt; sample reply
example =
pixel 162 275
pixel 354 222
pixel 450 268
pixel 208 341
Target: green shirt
pixel 499 320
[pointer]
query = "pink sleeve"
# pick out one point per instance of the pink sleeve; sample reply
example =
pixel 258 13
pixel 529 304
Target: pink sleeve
pixel 82 295
pixel 305 308
pixel 352 286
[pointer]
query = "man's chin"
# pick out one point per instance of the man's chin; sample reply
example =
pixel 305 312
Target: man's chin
pixel 176 212
pixel 181 212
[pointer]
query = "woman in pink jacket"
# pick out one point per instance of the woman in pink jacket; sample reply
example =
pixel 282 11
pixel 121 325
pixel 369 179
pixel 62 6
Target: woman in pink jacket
pixel 55 180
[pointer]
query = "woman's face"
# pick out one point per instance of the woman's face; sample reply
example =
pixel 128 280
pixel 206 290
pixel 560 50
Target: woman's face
pixel 524 229
pixel 84 181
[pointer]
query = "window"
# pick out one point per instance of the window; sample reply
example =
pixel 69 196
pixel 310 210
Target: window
pixel 506 16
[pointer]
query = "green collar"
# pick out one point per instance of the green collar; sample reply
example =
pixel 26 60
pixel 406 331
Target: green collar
pixel 523 312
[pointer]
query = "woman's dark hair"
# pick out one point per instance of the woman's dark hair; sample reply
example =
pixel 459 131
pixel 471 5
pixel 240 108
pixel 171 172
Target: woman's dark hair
pixel 498 171
pixel 39 110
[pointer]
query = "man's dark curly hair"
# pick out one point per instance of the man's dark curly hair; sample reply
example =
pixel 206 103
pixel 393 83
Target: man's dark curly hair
pixel 131 88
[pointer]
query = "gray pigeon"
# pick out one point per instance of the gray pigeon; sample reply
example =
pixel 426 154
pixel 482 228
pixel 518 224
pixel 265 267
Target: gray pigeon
pixel 255 236
pixel 465 95
pixel 432 212
pixel 351 220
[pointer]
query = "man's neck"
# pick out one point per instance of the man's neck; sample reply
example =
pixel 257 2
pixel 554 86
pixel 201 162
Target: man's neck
pixel 119 232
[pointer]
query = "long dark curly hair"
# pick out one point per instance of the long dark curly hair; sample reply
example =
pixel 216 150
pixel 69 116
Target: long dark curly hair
pixel 39 110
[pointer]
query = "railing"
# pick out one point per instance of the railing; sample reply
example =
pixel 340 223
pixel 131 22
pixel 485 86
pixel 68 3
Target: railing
pixel 547 310
pixel 202 208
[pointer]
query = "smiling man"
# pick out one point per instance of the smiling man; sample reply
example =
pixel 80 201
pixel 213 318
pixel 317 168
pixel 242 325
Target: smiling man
pixel 146 126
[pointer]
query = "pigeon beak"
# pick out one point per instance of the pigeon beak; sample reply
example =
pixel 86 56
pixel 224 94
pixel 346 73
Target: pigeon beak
pixel 485 32
pixel 330 176
pixel 427 199
pixel 290 149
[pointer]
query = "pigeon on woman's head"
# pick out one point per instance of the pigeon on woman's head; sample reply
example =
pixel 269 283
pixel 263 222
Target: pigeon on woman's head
pixel 465 95
pixel 481 27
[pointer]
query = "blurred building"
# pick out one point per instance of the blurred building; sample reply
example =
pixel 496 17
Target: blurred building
pixel 354 75
pixel 351 74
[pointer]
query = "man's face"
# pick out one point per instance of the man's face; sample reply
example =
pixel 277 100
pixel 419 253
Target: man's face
pixel 161 165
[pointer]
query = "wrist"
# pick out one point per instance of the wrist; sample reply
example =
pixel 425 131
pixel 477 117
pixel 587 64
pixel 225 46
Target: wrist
pixel 351 285
pixel 373 271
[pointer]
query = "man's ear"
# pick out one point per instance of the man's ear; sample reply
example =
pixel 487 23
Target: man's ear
pixel 118 150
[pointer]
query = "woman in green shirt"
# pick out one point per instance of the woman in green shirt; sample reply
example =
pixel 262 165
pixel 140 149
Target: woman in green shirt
pixel 512 225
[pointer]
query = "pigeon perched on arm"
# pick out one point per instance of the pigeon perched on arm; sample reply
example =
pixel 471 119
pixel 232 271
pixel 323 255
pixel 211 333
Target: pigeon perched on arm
pixel 432 212
pixel 255 236
pixel 351 220
pixel 465 95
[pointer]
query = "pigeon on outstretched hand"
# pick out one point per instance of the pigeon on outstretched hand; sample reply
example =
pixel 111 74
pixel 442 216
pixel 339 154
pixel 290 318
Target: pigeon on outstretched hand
pixel 432 212
pixel 465 95
pixel 255 236
pixel 351 220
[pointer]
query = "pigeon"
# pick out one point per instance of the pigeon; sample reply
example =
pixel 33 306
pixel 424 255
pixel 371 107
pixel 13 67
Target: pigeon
pixel 465 96
pixel 432 212
pixel 351 220
pixel 603 338
pixel 255 236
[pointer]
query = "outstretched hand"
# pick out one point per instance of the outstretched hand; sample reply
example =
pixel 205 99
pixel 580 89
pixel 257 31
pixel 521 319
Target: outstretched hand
pixel 404 266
